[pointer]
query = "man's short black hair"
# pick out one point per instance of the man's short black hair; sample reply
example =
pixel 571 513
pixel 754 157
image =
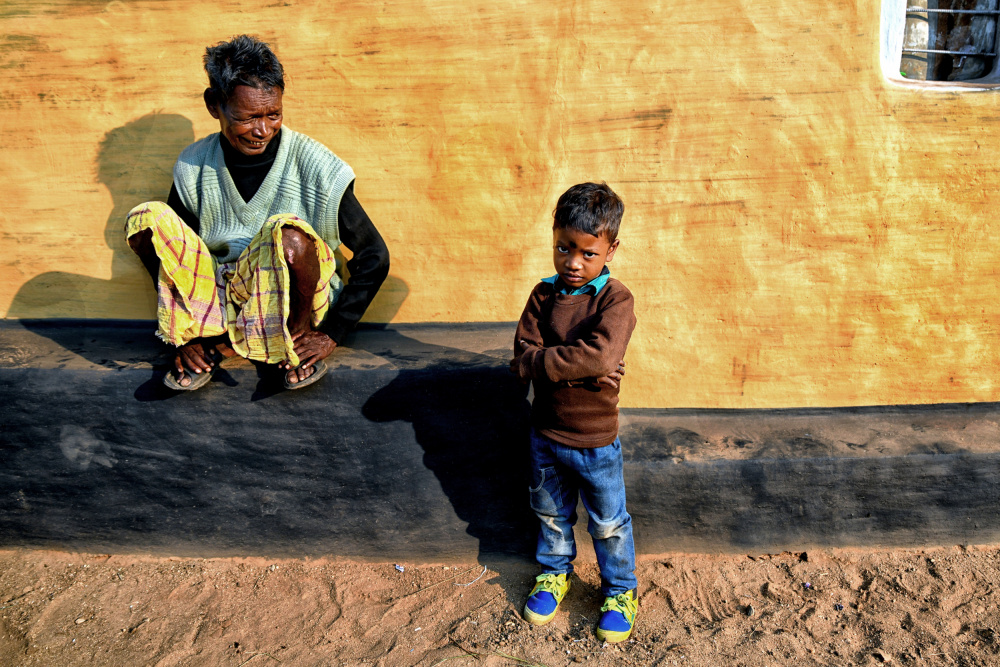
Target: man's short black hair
pixel 593 208
pixel 242 61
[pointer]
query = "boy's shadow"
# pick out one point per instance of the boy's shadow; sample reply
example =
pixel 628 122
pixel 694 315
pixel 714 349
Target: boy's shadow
pixel 135 163
pixel 470 417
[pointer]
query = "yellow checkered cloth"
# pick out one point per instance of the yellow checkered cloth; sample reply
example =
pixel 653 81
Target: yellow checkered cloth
pixel 248 299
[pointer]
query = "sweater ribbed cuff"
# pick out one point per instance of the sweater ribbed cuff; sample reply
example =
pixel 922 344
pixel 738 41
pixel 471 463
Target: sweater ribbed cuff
pixel 532 364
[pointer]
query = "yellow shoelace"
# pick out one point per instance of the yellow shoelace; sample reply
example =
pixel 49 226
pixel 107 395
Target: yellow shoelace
pixel 623 603
pixel 550 583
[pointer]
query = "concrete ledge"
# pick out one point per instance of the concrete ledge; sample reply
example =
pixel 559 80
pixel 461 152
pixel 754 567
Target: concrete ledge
pixel 413 447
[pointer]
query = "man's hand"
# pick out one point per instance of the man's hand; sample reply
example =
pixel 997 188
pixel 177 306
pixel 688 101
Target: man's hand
pixel 194 357
pixel 311 346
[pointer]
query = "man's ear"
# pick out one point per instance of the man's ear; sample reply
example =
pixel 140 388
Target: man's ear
pixel 211 103
pixel 611 251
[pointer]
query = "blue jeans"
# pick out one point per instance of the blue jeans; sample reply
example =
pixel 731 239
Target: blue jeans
pixel 561 474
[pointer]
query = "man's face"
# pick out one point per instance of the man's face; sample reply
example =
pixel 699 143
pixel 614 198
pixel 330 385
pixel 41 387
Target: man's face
pixel 580 257
pixel 250 119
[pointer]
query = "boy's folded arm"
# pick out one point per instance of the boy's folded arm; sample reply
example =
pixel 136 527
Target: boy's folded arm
pixel 524 360
pixel 592 358
pixel 596 356
pixel 527 331
pixel 527 363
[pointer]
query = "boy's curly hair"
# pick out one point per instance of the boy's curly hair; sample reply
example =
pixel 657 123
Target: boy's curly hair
pixel 593 208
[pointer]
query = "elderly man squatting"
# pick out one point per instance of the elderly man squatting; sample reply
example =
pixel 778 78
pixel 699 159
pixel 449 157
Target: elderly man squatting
pixel 242 252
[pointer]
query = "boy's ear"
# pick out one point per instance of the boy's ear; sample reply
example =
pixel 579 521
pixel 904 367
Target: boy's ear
pixel 611 251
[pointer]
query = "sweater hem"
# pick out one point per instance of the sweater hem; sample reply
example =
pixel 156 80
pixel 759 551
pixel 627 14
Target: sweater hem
pixel 563 439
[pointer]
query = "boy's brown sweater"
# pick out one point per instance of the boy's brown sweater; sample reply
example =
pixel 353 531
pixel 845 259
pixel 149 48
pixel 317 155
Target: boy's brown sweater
pixel 573 341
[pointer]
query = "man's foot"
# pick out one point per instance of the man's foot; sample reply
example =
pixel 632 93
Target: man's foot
pixel 543 602
pixel 224 350
pixel 204 355
pixel 187 381
pixel 617 617
pixel 294 378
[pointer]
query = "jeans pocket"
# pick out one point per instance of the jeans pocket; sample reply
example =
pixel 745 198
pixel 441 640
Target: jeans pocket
pixel 545 492
pixel 538 477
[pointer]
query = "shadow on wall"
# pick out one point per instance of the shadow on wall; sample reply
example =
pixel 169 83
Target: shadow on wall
pixel 135 163
pixel 470 416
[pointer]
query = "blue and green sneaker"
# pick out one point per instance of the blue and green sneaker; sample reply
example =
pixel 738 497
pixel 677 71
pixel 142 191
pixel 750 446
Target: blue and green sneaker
pixel 617 617
pixel 543 602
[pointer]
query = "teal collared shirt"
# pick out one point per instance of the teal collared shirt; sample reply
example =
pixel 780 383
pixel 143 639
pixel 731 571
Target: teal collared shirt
pixel 593 288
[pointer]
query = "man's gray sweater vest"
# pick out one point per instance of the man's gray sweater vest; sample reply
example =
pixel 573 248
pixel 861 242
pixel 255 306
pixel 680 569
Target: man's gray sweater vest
pixel 306 180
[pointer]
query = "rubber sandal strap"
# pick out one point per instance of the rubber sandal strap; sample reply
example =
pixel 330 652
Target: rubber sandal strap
pixel 320 369
pixel 198 380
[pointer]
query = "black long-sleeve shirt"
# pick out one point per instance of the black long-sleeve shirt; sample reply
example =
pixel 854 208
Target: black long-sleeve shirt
pixel 368 267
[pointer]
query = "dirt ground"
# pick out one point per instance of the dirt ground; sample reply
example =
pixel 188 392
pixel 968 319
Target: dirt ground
pixel 828 607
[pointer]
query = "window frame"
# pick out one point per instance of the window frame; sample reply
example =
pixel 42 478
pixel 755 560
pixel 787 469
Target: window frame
pixel 892 29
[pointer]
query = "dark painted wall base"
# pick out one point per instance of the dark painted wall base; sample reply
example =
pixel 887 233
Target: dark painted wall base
pixel 414 447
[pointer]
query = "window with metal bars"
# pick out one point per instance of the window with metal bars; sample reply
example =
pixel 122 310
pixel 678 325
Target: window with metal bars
pixel 951 42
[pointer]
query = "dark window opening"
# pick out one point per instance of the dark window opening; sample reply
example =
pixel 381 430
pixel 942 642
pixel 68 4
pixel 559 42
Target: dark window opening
pixel 949 40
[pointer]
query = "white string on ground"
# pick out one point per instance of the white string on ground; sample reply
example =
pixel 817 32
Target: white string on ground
pixel 474 580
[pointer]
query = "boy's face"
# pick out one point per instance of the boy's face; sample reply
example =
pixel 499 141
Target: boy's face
pixel 580 257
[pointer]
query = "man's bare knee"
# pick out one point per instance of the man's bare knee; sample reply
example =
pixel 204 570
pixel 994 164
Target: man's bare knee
pixel 298 246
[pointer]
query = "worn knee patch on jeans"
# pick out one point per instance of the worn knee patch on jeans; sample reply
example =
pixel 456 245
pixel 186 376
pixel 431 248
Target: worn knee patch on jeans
pixel 603 530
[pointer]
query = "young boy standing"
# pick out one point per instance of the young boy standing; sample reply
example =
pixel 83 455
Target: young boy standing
pixel 571 342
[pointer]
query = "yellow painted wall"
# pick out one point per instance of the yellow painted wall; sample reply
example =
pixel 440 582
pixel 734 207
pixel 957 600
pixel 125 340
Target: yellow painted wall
pixel 797 232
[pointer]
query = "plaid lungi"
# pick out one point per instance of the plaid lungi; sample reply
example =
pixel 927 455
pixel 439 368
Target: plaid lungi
pixel 248 298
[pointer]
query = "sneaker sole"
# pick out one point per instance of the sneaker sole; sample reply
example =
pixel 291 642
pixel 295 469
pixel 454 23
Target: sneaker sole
pixel 613 636
pixel 538 619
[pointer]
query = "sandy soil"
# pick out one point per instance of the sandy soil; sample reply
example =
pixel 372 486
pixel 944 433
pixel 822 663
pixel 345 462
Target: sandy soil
pixel 830 607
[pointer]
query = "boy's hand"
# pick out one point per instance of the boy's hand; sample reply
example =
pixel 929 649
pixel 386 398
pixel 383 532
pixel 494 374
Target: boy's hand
pixel 614 378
